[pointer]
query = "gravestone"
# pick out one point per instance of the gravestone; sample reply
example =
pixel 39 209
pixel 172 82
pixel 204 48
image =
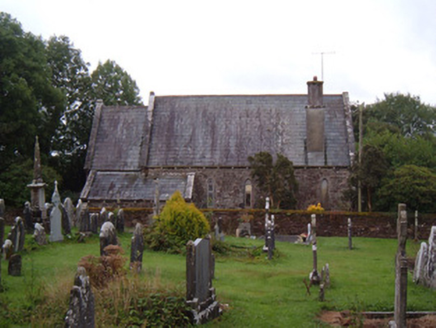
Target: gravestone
pixel 69 208
pixel 39 235
pixel 350 241
pixel 28 217
pixel 103 215
pixel 265 247
pixel 244 229
pixel 120 220
pixel 56 217
pixel 93 222
pixel 78 212
pixel 2 208
pixel 420 265
pixel 17 234
pixel 401 269
pixel 314 276
pixel 200 294
pixel 81 311
pixel 108 236
pixel 309 234
pixel 83 221
pixel 111 217
pixel 2 230
pixel 416 225
pixel 137 248
pixel 66 227
pixel 8 249
pixel 14 267
pixel 219 233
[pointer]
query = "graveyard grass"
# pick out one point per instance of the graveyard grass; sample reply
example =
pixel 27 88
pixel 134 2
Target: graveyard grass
pixel 255 292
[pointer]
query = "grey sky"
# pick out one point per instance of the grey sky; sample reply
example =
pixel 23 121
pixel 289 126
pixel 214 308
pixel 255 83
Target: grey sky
pixel 250 47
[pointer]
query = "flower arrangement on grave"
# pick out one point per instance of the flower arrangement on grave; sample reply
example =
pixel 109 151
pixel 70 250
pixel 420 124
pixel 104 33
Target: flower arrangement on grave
pixel 316 208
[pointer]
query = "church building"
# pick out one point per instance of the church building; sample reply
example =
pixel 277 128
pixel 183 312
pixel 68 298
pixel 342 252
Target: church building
pixel 199 145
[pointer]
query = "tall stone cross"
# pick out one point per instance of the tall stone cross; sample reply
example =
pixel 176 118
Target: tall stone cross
pixel 37 187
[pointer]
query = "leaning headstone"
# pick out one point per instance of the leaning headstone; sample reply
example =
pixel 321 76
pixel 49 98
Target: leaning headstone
pixel 200 294
pixel 66 227
pixel 18 234
pixel 120 220
pixel 28 217
pixel 39 235
pixel 420 264
pixel 401 269
pixel 2 208
pixel 56 217
pixel 137 248
pixel 8 249
pixel 14 267
pixel 81 312
pixel 2 230
pixel 69 208
pixel 108 236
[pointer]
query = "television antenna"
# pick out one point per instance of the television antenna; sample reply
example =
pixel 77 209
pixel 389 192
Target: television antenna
pixel 322 53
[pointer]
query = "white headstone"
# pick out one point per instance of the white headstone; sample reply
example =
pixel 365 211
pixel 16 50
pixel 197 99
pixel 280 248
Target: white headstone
pixel 56 217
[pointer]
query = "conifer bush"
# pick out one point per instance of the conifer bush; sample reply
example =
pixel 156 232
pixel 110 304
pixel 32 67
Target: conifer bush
pixel 178 223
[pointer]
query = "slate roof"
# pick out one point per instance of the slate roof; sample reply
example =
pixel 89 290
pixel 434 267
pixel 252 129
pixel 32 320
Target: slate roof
pixel 225 130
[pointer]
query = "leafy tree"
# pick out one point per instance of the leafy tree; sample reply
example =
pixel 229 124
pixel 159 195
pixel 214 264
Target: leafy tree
pixel 275 180
pixel 70 75
pixel 114 85
pixel 369 171
pixel 29 104
pixel 412 185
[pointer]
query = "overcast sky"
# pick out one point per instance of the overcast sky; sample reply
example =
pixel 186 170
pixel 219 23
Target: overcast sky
pixel 186 47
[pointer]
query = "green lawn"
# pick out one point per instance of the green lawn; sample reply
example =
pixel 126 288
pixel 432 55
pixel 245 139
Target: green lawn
pixel 259 293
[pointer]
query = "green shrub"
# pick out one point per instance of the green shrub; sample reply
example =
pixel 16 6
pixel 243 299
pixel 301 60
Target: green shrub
pixel 178 223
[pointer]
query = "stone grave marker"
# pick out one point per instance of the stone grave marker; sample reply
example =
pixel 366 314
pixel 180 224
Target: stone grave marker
pixel 78 212
pixel 56 217
pixel 39 235
pixel 314 275
pixel 111 217
pixel 2 208
pixel 104 215
pixel 401 269
pixel 350 241
pixel 93 222
pixel 17 235
pixel 244 229
pixel 200 294
pixel 430 268
pixel 28 217
pixel 66 226
pixel 8 249
pixel 219 233
pixel 2 230
pixel 120 220
pixel 81 311
pixel 83 221
pixel 14 267
pixel 309 234
pixel 69 208
pixel 108 236
pixel 137 248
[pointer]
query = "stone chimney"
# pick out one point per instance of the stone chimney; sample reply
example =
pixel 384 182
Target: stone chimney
pixel 314 93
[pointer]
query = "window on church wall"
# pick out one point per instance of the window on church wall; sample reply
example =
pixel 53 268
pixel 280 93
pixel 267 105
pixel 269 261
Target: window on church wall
pixel 210 193
pixel 248 194
pixel 325 193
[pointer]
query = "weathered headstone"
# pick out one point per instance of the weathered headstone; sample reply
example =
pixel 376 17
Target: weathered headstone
pixel 200 294
pixel 350 241
pixel 8 249
pixel 56 217
pixel 28 217
pixel 93 222
pixel 39 235
pixel 420 264
pixel 401 269
pixel 66 226
pixel 120 220
pixel 265 247
pixel 78 212
pixel 309 234
pixel 104 215
pixel 430 269
pixel 2 230
pixel 69 208
pixel 219 233
pixel 81 312
pixel 108 236
pixel 83 221
pixel 314 276
pixel 137 248
pixel 14 267
pixel 2 208
pixel 416 225
pixel 111 217
pixel 244 229
pixel 17 234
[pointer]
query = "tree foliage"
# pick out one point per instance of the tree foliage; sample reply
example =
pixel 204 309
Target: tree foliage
pixel 275 180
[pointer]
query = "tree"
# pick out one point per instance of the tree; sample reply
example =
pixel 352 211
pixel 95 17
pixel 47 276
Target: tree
pixel 29 104
pixel 70 74
pixel 371 169
pixel 114 85
pixel 275 180
pixel 410 184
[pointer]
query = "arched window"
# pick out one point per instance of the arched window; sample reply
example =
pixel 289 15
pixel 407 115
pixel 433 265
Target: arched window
pixel 325 193
pixel 248 194
pixel 210 202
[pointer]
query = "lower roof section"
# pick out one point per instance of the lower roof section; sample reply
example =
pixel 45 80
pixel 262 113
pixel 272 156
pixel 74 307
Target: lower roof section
pixel 113 186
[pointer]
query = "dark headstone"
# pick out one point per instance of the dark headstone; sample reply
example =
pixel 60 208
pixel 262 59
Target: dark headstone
pixel 83 221
pixel 81 312
pixel 17 234
pixel 137 248
pixel 2 208
pixel 104 215
pixel 39 235
pixel 69 207
pixel 14 268
pixel 66 227
pixel 108 236
pixel 244 229
pixel 120 221
pixel 200 294
pixel 28 217
pixel 93 222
